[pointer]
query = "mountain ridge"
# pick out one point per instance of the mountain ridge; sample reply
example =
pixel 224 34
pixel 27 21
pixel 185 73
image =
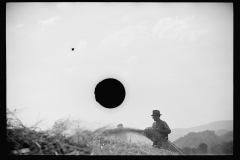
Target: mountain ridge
pixel 223 125
pixel 221 132
pixel 227 136
pixel 193 139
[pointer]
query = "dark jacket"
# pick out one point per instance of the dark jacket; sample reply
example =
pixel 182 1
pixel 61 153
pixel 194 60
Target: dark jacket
pixel 162 127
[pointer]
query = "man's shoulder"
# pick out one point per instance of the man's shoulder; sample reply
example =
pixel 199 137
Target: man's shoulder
pixel 165 124
pixel 162 121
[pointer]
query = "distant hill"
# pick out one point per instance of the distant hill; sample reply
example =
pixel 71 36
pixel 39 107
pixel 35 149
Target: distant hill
pixel 226 137
pixel 219 127
pixel 221 132
pixel 193 139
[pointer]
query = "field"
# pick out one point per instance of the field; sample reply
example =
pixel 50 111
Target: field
pixel 22 140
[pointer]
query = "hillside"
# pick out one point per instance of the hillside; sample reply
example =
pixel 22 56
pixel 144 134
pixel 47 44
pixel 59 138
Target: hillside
pixel 193 139
pixel 226 137
pixel 221 132
pixel 219 126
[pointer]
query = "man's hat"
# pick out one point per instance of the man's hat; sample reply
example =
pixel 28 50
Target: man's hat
pixel 156 113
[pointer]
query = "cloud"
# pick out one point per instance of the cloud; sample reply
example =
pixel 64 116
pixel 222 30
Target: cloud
pixel 176 29
pixel 50 21
pixel 17 26
pixel 171 28
pixel 166 30
pixel 82 44
pixel 125 37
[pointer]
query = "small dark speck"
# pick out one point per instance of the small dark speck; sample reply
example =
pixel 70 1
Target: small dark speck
pixel 72 49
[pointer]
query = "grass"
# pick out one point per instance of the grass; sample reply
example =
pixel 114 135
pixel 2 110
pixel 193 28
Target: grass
pixel 125 148
pixel 98 141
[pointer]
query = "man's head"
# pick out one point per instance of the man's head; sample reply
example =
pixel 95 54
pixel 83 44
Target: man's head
pixel 156 115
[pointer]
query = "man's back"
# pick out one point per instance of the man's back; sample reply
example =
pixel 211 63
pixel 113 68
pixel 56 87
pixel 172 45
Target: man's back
pixel 161 125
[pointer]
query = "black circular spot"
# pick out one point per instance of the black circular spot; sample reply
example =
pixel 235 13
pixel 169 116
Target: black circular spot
pixel 110 93
pixel 72 49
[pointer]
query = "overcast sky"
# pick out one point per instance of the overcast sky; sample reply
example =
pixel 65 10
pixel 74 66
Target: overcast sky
pixel 174 57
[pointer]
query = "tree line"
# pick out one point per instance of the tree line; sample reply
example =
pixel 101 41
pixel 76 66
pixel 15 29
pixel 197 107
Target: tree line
pixel 222 148
pixel 206 142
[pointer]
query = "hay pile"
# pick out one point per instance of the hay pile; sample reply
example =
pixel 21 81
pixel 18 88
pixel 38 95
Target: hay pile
pixel 22 140
pixel 122 130
pixel 148 132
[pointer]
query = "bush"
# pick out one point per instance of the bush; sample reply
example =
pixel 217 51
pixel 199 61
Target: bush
pixel 222 148
pixel 202 148
pixel 194 151
pixel 228 147
pixel 216 149
pixel 187 150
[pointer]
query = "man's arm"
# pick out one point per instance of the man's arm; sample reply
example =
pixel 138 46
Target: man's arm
pixel 166 129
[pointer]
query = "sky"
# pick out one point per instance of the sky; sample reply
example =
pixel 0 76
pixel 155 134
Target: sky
pixel 172 57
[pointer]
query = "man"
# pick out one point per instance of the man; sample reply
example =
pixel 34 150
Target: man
pixel 159 130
